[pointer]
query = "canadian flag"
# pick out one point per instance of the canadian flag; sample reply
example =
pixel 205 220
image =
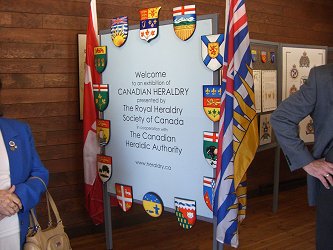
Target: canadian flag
pixel 93 184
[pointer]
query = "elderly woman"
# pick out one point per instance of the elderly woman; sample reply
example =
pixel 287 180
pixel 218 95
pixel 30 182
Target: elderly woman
pixel 19 193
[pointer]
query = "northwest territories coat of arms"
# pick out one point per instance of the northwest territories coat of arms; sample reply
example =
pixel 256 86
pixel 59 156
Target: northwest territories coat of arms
pixel 184 21
pixel 119 30
pixel 211 101
pixel 185 212
pixel 149 23
pixel 211 51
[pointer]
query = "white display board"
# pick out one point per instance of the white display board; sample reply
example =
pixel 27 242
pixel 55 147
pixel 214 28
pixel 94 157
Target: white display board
pixel 157 117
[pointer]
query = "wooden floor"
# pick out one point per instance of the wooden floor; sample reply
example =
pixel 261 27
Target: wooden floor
pixel 292 227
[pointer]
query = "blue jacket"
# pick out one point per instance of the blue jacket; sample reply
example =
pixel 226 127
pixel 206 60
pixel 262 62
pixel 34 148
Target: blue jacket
pixel 24 162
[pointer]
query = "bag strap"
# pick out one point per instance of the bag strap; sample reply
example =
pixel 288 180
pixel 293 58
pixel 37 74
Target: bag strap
pixel 47 200
pixel 50 202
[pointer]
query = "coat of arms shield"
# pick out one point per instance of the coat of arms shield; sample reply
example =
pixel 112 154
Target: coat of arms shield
pixel 104 166
pixel 208 191
pixel 119 30
pixel 212 50
pixel 124 196
pixel 101 96
pixel 103 131
pixel 100 55
pixel 185 212
pixel 149 23
pixel 184 21
pixel 211 101
pixel 210 146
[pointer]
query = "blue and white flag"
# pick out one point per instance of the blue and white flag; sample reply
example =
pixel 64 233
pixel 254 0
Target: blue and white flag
pixel 238 134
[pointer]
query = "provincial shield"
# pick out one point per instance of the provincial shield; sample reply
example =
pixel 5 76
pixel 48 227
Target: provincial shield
pixel 208 188
pixel 254 55
pixel 263 56
pixel 184 21
pixel 149 23
pixel 100 58
pixel 101 96
pixel 210 146
pixel 211 101
pixel 103 131
pixel 185 212
pixel 124 196
pixel 212 50
pixel 119 30
pixel 152 204
pixel 104 166
pixel 272 55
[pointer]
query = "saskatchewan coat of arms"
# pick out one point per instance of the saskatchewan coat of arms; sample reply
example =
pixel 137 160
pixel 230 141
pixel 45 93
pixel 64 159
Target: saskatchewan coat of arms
pixel 184 21
pixel 211 101
pixel 103 131
pixel 212 50
pixel 124 196
pixel 104 166
pixel 185 212
pixel 101 96
pixel 210 146
pixel 119 30
pixel 149 23
pixel 100 56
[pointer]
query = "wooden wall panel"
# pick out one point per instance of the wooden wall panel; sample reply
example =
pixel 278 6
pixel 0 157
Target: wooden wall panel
pixel 39 72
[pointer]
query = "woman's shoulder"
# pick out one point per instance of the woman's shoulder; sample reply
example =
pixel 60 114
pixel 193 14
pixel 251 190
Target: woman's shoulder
pixel 13 123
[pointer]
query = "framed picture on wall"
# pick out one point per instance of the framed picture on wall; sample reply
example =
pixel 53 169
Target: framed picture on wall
pixel 297 62
pixel 81 39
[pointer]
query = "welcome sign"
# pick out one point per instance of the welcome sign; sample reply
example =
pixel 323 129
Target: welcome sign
pixel 156 115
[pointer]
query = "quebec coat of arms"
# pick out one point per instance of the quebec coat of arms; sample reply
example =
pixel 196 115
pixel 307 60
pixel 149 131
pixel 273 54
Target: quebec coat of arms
pixel 211 101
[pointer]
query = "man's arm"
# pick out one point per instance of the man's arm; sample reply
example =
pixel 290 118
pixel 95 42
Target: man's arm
pixel 285 120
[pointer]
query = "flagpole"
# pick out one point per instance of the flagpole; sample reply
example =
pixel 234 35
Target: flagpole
pixel 107 217
pixel 216 244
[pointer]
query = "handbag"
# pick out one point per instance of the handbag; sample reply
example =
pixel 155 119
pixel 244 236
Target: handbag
pixel 51 238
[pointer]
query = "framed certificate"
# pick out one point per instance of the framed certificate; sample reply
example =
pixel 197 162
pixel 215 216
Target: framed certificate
pixel 269 90
pixel 296 65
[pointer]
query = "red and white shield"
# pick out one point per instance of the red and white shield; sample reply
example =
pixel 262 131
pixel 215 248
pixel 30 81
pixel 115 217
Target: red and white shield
pixel 124 196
